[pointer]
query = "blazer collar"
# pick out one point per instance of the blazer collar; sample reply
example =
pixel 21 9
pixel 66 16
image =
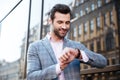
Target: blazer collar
pixel 48 46
pixel 66 43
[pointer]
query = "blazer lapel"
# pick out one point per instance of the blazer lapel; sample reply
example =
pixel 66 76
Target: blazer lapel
pixel 66 43
pixel 49 49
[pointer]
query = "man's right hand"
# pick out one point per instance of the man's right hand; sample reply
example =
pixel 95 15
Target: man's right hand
pixel 63 65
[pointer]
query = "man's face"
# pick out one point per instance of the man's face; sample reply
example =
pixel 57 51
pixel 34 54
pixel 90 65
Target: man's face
pixel 61 24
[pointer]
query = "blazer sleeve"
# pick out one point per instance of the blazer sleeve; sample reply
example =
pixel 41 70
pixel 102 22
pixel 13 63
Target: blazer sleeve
pixel 95 59
pixel 34 67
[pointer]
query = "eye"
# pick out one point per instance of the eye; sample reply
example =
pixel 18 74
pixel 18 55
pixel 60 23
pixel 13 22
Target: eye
pixel 59 22
pixel 68 22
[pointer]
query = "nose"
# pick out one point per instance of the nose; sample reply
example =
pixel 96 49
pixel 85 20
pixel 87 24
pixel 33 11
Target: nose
pixel 64 26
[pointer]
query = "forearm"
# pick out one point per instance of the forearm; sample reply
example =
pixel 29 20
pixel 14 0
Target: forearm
pixel 95 59
pixel 47 73
pixel 98 61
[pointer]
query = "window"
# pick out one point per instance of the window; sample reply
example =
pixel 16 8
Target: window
pixel 105 20
pixel 98 23
pixel 74 32
pixel 99 3
pixel 106 1
pixel 98 46
pixel 81 1
pixel 80 30
pixel 77 2
pixel 111 17
pixel 87 10
pixel 109 41
pixel 85 36
pixel 81 13
pixel 92 7
pixel 113 61
pixel 85 28
pixel 92 46
pixel 91 26
pixel 76 15
pixel 108 63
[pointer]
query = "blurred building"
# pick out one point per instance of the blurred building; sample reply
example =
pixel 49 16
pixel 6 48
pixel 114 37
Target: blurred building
pixel 33 36
pixel 10 71
pixel 3 62
pixel 96 24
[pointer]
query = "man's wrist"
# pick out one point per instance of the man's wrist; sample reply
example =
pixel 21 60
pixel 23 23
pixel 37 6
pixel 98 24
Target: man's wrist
pixel 58 70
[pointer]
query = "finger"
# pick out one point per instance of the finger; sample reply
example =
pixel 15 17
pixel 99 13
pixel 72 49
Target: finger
pixel 72 51
pixel 66 56
pixel 65 61
pixel 61 60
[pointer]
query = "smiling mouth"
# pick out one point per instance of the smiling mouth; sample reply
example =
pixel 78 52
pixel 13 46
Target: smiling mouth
pixel 63 31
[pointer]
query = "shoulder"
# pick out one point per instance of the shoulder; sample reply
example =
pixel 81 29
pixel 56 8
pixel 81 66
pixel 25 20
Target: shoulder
pixel 73 42
pixel 35 43
pixel 36 46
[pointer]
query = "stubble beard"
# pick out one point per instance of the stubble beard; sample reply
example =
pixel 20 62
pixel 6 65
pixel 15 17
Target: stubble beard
pixel 56 32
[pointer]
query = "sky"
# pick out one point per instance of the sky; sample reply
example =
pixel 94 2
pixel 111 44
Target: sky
pixel 12 30
pixel 14 26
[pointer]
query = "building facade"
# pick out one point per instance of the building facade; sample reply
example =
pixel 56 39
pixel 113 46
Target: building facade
pixel 96 24
pixel 10 71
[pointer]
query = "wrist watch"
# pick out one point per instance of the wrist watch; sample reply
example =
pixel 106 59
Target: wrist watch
pixel 78 55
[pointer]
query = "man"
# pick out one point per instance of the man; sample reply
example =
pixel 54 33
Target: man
pixel 57 58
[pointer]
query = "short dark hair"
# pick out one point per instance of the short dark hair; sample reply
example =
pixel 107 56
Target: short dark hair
pixel 62 8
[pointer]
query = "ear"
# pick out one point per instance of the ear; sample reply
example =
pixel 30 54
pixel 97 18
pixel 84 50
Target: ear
pixel 49 21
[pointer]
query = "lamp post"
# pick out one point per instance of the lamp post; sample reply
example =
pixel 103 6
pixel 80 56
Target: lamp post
pixel 27 42
pixel 42 11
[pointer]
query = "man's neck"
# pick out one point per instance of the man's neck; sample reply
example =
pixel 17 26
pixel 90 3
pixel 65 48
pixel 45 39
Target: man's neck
pixel 55 38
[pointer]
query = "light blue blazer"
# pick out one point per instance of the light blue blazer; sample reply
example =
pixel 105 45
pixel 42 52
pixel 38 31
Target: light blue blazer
pixel 41 61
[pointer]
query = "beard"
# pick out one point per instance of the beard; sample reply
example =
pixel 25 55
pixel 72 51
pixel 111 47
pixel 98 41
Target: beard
pixel 60 35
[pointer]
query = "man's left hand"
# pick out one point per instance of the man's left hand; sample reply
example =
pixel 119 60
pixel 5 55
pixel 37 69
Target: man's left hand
pixel 69 54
